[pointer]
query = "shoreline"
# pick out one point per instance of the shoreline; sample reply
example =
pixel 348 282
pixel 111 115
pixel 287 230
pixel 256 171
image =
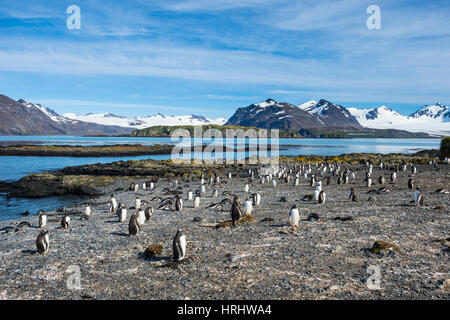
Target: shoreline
pixel 324 259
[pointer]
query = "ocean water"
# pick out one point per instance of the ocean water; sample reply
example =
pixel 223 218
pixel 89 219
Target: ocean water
pixel 14 168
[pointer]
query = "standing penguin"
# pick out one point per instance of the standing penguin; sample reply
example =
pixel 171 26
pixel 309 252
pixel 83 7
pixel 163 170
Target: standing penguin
pixel 316 194
pixel 148 213
pixel 381 180
pixel 248 206
pixel 322 197
pixel 256 199
pixel 215 193
pixel 138 204
pixel 353 196
pixel 123 214
pixel 190 195
pixel 328 180
pixel 133 227
pixel 112 204
pixel 196 201
pixel 418 198
pixel 393 177
pixel 42 219
pixel 65 222
pixel 274 183
pixel 410 183
pixel 178 203
pixel 246 188
pixel 179 245
pixel 235 210
pixel 140 218
pixel 294 217
pixel 87 211
pixel 43 242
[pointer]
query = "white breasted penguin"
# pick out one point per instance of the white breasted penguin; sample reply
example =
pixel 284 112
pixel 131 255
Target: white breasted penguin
pixel 418 198
pixel 148 213
pixel 248 205
pixel 197 201
pixel 316 194
pixel 43 242
pixel 215 193
pixel 138 204
pixel 112 204
pixel 65 222
pixel 87 211
pixel 368 182
pixel 190 195
pixel 202 188
pixel 178 203
pixel 413 170
pixel 179 245
pixel 393 176
pixel 294 217
pixel 42 219
pixel 246 188
pixel 133 226
pixel 123 214
pixel 410 183
pixel 274 183
pixel 381 180
pixel 140 218
pixel 256 199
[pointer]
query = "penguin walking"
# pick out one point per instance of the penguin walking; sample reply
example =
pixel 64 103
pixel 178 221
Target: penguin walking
pixel 112 204
pixel 140 218
pixel 215 193
pixel 294 217
pixel 418 198
pixel 190 195
pixel 43 242
pixel 65 222
pixel 393 177
pixel 246 188
pixel 381 180
pixel 197 201
pixel 202 188
pixel 123 214
pixel 138 204
pixel 148 213
pixel 179 245
pixel 248 205
pixel 353 196
pixel 42 219
pixel 316 194
pixel 87 211
pixel 274 183
pixel 236 212
pixel 178 203
pixel 256 199
pixel 133 227
pixel 322 197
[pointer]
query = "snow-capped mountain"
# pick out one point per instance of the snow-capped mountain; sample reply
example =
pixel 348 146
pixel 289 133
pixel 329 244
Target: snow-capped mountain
pixel 24 118
pixel 271 114
pixel 433 119
pixel 144 122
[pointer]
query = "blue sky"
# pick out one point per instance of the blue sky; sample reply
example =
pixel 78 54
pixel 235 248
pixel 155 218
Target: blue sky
pixel 209 57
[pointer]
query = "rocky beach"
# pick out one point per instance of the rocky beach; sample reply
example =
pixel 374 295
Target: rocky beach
pixel 262 258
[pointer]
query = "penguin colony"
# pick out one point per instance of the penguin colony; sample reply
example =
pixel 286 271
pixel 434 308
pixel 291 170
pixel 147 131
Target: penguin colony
pixel 174 197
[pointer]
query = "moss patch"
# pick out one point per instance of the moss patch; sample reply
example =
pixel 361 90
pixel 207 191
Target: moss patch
pixel 248 218
pixel 153 250
pixel 380 245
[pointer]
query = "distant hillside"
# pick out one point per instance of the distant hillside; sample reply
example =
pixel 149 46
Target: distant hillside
pixel 24 118
pixel 166 131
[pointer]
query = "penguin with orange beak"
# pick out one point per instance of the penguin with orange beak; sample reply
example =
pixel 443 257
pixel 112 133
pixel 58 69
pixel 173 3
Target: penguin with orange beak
pixel 179 245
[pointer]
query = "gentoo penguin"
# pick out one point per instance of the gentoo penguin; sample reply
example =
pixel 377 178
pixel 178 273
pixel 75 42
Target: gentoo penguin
pixel 148 213
pixel 65 222
pixel 274 183
pixel 316 194
pixel 441 191
pixel 296 181
pixel 140 218
pixel 328 180
pixel 248 205
pixel 418 198
pixel 256 199
pixel 294 217
pixel 410 183
pixel 368 182
pixel 133 227
pixel 138 204
pixel 43 242
pixel 381 180
pixel 179 245
pixel 202 188
pixel 178 203
pixel 42 219
pixel 113 204
pixel 229 176
pixel 353 196
pixel 197 201
pixel 246 188
pixel 322 197
pixel 123 214
pixel 87 211
pixel 413 170
pixel 152 185
pixel 215 193
pixel 144 186
pixel 393 177
pixel 190 195
pixel 235 210
pixel 136 187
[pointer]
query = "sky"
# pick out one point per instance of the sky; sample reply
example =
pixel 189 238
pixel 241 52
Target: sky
pixel 209 57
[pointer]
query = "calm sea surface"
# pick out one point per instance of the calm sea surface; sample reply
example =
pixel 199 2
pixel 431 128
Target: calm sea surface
pixel 14 168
